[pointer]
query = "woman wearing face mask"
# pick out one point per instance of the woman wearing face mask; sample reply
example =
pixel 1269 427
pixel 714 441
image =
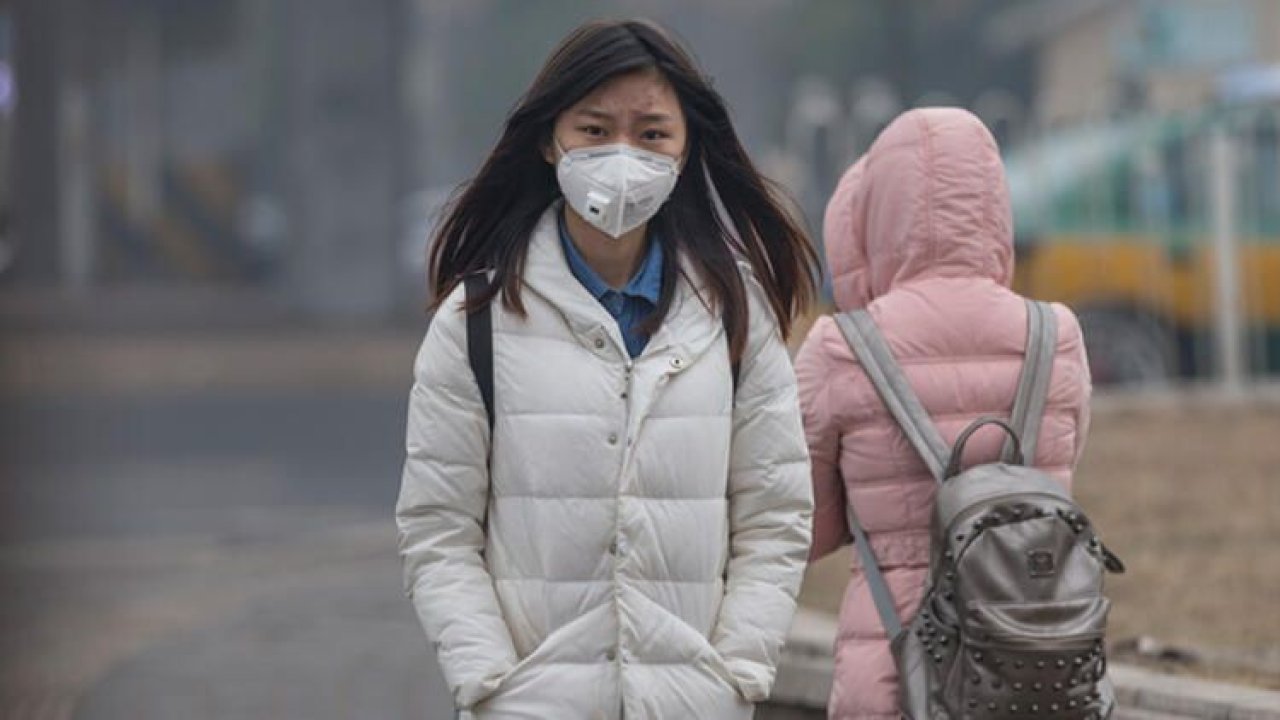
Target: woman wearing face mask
pixel 628 539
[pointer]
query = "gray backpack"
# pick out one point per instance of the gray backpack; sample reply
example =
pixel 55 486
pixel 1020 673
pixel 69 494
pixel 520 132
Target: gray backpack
pixel 1013 615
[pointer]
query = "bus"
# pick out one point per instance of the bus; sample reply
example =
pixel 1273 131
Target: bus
pixel 1114 221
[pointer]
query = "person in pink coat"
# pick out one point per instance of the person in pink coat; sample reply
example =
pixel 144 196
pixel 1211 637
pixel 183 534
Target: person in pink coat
pixel 919 232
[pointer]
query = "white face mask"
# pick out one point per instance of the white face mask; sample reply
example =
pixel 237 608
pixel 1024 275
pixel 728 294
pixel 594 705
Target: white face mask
pixel 616 188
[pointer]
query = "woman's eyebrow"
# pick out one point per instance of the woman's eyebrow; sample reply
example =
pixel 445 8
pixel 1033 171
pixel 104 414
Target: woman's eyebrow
pixel 655 117
pixel 595 113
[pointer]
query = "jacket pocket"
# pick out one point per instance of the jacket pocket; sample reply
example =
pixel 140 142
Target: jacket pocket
pixel 667 638
pixel 571 645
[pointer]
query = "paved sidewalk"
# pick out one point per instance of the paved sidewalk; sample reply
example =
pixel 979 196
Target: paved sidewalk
pixel 337 645
pixel 313 626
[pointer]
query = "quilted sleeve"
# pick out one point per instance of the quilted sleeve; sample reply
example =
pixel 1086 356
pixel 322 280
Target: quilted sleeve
pixel 441 514
pixel 813 372
pixel 770 509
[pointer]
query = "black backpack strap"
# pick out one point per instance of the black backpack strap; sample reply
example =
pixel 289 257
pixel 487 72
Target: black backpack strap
pixel 480 341
pixel 735 366
pixel 1033 385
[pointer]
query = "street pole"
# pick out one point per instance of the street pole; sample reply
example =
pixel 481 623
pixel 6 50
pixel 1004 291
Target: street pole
pixel 342 156
pixel 75 190
pixel 1228 326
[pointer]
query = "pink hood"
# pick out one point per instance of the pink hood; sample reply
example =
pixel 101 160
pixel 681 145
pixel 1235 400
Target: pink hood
pixel 929 199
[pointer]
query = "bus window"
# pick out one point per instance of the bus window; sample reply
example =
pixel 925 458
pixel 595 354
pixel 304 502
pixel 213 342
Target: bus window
pixel 1175 163
pixel 1154 194
pixel 1265 161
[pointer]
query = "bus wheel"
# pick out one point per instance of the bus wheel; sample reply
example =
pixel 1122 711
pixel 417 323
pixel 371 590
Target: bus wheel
pixel 1126 348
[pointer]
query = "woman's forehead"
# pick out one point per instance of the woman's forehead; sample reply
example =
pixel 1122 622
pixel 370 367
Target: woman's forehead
pixel 640 93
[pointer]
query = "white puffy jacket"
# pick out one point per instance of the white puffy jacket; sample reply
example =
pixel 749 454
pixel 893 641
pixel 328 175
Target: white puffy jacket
pixel 637 546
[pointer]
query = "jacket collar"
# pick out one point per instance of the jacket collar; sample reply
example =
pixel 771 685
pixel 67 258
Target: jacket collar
pixel 645 284
pixel 686 332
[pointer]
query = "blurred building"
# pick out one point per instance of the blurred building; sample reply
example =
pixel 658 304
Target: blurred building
pixel 1148 197
pixel 1098 59
pixel 183 143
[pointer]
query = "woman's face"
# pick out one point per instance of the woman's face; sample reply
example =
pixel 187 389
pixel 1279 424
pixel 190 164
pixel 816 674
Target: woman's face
pixel 639 109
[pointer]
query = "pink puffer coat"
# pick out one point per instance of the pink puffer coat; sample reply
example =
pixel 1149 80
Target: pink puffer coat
pixel 920 232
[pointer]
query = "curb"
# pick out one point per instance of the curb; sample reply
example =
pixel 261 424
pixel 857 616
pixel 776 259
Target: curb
pixel 182 363
pixel 804 680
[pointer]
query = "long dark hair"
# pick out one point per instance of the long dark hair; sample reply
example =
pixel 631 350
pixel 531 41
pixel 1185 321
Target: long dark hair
pixel 490 223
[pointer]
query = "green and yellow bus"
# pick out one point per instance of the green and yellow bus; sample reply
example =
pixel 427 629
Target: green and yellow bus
pixel 1115 222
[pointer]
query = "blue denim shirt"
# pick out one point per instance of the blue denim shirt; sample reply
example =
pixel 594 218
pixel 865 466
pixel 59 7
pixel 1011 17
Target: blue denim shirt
pixel 633 303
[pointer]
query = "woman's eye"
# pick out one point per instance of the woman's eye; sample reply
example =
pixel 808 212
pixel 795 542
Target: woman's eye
pixel 592 130
pixel 655 135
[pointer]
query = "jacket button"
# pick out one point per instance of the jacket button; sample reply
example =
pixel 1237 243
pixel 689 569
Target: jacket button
pixel 677 362
pixel 599 343
pixel 610 655
pixel 613 438
pixel 613 547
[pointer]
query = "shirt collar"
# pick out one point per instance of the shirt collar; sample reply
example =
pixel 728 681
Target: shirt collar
pixel 645 284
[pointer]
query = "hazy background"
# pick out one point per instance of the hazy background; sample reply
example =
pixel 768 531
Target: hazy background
pixel 213 220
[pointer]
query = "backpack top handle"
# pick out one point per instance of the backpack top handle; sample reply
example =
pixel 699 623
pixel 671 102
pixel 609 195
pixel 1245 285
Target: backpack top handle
pixel 1017 458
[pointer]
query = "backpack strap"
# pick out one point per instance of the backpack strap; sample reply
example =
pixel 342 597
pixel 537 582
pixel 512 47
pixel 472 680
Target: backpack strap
pixel 480 341
pixel 1033 385
pixel 868 344
pixel 864 338
pixel 875 578
pixel 735 366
